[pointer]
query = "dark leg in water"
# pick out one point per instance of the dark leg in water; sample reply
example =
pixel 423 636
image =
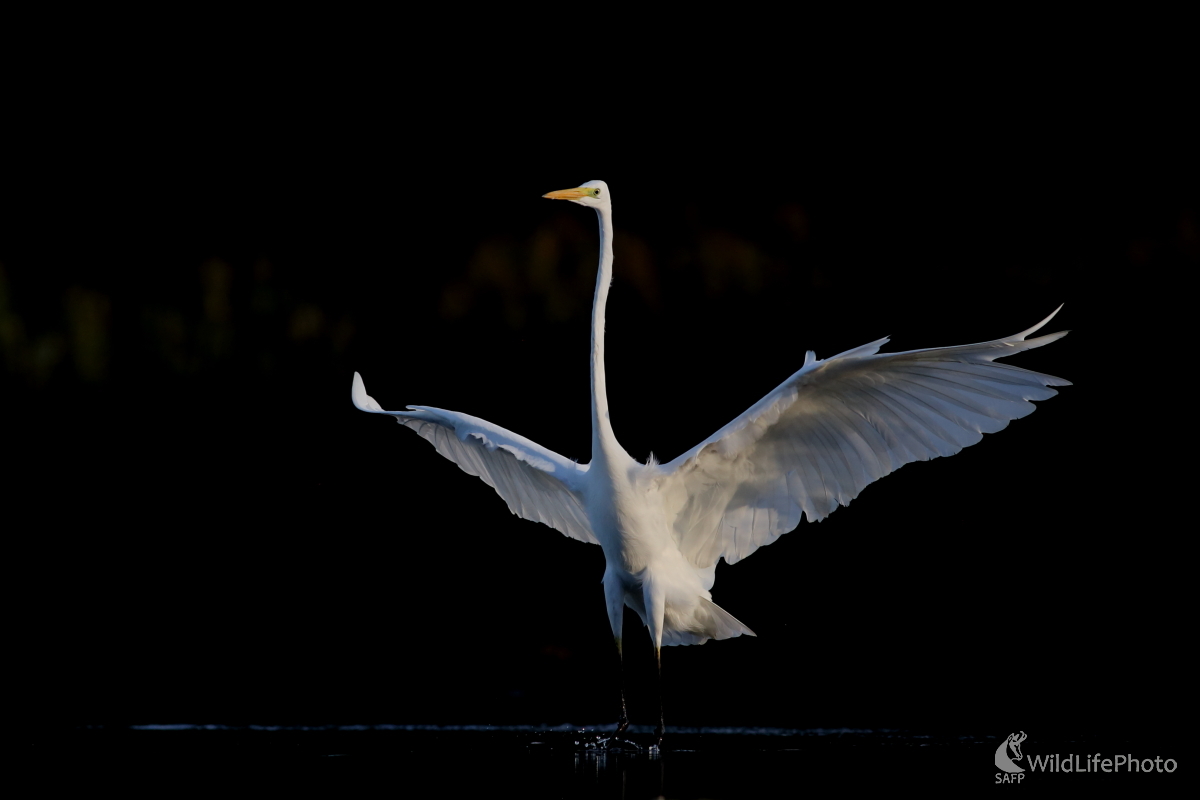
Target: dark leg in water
pixel 617 740
pixel 623 721
pixel 658 732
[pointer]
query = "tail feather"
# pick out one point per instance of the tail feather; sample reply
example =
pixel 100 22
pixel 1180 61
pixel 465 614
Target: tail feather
pixel 710 622
pixel 722 624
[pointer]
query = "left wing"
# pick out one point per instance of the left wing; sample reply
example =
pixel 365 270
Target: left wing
pixel 832 428
pixel 538 484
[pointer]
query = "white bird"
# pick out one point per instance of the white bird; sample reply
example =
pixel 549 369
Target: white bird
pixel 809 446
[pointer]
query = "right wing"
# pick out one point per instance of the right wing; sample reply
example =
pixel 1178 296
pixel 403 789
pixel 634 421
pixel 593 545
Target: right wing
pixel 835 426
pixel 538 484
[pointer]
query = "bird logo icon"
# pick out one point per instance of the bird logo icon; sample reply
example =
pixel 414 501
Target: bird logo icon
pixel 1002 760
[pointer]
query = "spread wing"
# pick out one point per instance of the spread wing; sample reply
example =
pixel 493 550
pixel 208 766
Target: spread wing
pixel 538 484
pixel 835 426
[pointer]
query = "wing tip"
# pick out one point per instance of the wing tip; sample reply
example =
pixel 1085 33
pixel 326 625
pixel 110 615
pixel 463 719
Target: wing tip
pixel 358 395
pixel 1021 336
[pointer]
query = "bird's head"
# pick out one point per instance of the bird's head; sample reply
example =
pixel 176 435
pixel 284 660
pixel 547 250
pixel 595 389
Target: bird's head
pixel 593 193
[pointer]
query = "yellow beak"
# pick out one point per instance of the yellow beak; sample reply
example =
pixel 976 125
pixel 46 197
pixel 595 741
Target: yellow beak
pixel 569 194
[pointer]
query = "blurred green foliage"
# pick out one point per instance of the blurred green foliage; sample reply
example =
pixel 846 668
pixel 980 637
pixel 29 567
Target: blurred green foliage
pixel 250 314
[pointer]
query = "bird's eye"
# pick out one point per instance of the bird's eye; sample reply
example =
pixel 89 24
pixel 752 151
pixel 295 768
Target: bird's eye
pixel 595 193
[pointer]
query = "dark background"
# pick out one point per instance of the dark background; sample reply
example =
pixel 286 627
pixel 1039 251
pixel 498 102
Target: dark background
pixel 195 260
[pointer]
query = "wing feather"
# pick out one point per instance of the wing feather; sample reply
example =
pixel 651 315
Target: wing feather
pixel 836 426
pixel 536 483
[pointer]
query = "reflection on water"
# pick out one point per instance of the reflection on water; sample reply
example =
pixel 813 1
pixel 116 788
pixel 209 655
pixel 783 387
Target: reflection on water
pixel 532 730
pixel 565 761
pixel 543 761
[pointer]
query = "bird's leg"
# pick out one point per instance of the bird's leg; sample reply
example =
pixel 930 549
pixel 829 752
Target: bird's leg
pixel 658 732
pixel 614 599
pixel 623 720
pixel 656 607
pixel 616 740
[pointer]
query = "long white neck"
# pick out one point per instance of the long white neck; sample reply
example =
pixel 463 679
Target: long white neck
pixel 604 442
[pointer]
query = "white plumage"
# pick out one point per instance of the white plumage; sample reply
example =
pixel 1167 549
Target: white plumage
pixel 809 446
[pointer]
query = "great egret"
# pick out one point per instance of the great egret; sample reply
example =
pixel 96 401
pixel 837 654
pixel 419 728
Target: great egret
pixel 809 446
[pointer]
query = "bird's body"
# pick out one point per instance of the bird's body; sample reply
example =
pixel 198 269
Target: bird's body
pixel 809 446
pixel 644 567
